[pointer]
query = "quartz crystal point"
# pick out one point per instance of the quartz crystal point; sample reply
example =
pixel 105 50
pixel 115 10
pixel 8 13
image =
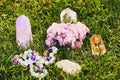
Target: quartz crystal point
pixel 68 16
pixel 23 31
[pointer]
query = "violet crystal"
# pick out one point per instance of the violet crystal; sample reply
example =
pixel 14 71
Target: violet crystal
pixel 15 60
pixel 48 58
pixel 23 31
pixel 33 57
pixel 49 49
pixel 40 70
pixel 33 52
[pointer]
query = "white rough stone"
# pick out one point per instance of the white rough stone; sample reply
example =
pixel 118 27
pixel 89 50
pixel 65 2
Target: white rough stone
pixel 69 66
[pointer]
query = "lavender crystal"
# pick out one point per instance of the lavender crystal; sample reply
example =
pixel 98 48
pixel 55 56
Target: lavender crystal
pixel 23 31
pixel 33 52
pixel 49 49
pixel 33 57
pixel 40 70
pixel 15 60
pixel 48 58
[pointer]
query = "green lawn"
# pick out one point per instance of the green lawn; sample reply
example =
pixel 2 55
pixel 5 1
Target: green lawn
pixel 100 16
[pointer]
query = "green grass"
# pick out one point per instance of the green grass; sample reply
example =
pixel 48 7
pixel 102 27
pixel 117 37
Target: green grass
pixel 101 16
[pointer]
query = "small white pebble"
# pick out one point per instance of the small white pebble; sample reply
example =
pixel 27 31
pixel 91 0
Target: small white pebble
pixel 54 49
pixel 42 60
pixel 40 65
pixel 52 60
pixel 46 62
pixel 51 54
pixel 23 63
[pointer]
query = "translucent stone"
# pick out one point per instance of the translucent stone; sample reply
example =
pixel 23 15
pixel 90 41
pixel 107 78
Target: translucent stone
pixel 54 49
pixel 97 44
pixel 68 16
pixel 23 31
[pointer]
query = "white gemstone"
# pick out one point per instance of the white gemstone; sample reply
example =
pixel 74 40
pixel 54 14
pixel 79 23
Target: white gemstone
pixel 44 73
pixel 51 54
pixel 69 13
pixel 46 62
pixel 54 49
pixel 42 60
pixel 40 65
pixel 29 51
pixel 23 63
pixel 52 60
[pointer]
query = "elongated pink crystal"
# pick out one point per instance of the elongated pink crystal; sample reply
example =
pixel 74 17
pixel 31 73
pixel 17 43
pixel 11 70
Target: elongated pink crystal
pixel 23 31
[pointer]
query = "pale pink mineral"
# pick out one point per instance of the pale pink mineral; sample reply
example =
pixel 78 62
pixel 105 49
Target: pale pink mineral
pixel 65 34
pixel 23 31
pixel 69 66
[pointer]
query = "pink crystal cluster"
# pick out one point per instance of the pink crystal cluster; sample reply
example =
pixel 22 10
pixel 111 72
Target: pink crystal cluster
pixel 64 34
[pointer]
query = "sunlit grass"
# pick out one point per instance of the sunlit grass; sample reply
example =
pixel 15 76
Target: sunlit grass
pixel 101 16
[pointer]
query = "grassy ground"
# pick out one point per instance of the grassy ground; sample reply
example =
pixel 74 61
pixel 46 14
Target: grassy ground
pixel 101 16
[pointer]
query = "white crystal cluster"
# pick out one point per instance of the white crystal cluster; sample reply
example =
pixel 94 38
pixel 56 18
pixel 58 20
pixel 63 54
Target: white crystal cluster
pixel 69 66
